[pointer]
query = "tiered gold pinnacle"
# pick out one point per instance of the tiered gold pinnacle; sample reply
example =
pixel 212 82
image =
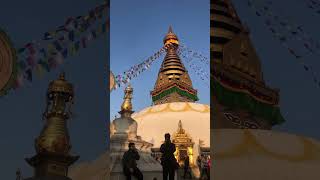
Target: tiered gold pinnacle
pixel 173 83
pixel 225 24
pixel 228 34
pixel 241 99
pixel 53 145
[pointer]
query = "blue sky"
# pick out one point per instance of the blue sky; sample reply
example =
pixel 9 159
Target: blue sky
pixel 137 31
pixel 299 96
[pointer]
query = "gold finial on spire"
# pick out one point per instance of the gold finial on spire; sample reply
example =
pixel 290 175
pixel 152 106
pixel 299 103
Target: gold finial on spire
pixel 171 38
pixel 170 29
pixel 127 105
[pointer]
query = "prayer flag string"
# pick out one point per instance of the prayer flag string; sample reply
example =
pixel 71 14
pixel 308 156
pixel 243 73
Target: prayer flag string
pixel 277 24
pixel 190 56
pixel 46 54
pixel 136 70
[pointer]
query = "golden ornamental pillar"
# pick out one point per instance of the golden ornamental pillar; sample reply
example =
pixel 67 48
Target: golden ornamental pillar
pixel 53 145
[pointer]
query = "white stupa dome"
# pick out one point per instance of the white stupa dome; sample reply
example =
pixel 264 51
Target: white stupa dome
pixel 155 121
pixel 264 155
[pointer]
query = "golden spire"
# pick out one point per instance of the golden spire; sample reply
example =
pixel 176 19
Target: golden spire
pixel 53 145
pixel 127 105
pixel 232 46
pixel 54 137
pixel 170 38
pixel 235 60
pixel 173 83
pixel 172 65
pixel 222 15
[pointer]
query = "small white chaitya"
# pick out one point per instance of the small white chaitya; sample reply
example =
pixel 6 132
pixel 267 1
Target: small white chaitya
pixel 123 132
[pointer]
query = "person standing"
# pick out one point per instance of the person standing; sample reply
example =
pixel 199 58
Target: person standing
pixel 168 161
pixel 129 163
pixel 199 164
pixel 204 164
pixel 209 167
pixel 187 169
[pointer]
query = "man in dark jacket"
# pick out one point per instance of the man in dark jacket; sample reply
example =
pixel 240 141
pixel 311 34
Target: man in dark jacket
pixel 129 163
pixel 168 161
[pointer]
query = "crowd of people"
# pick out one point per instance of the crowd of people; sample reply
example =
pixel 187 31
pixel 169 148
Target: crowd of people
pixel 168 161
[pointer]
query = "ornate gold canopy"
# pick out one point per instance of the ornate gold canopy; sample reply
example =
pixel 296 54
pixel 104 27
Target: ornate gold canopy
pixel 184 144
